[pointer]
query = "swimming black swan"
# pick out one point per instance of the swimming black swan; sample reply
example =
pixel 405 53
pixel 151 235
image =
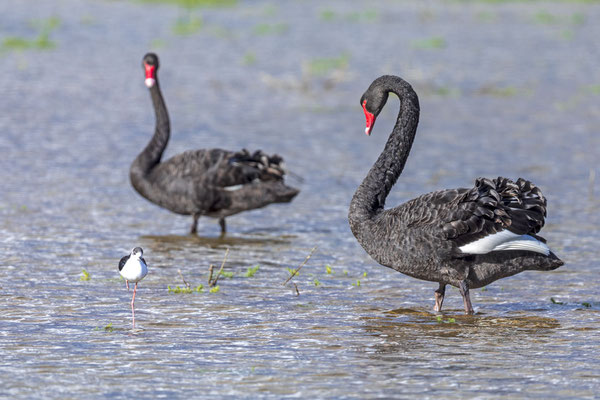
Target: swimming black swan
pixel 466 238
pixel 215 183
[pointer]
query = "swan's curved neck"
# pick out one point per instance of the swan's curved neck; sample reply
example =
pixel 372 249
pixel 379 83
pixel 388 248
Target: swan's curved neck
pixel 369 198
pixel 152 154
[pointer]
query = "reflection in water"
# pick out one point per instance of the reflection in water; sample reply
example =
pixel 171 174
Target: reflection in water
pixel 177 242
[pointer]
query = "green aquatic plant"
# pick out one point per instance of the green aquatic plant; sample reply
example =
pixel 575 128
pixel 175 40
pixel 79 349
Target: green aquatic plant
pixel 323 66
pixel 357 283
pixel 270 29
pixel 328 269
pixel 292 271
pixel 195 3
pixel 555 302
pixel 178 289
pixel 214 289
pixel 187 25
pixel 109 328
pixel 251 271
pixel 316 282
pixel 85 276
pixel 226 274
pixel 249 58
pixel 435 42
pixel 448 321
pixel 327 15
pixel 506 91
pixel 41 42
pixel 586 304
pixel 185 289
pixel 365 274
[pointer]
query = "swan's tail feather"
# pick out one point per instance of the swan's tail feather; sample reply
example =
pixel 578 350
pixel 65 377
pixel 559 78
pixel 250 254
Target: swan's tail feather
pixel 270 167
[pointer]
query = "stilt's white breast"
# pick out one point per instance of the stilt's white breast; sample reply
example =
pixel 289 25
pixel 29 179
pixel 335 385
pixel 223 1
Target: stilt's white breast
pixel 505 240
pixel 134 269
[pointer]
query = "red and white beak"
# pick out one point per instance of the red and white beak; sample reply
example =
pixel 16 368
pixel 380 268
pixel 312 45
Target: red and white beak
pixel 150 78
pixel 370 119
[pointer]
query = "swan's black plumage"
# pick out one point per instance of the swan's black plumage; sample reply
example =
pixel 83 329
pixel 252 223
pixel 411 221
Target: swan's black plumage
pixel 210 182
pixel 423 237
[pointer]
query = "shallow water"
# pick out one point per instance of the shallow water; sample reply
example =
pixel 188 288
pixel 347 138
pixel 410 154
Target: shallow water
pixel 505 89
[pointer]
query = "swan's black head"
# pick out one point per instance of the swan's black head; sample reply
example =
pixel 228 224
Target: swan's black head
pixel 373 100
pixel 150 63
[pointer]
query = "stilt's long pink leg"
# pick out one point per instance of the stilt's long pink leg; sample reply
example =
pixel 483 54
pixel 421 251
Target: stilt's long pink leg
pixel 132 303
pixel 127 283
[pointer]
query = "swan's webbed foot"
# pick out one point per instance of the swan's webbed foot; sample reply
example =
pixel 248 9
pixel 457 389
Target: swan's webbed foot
pixel 223 226
pixel 194 228
pixel 439 297
pixel 464 291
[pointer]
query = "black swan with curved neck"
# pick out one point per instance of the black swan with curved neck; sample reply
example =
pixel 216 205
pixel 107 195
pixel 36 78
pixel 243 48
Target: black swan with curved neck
pixel 209 182
pixel 466 238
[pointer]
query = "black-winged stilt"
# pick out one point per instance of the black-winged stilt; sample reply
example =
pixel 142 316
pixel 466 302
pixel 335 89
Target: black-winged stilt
pixel 133 268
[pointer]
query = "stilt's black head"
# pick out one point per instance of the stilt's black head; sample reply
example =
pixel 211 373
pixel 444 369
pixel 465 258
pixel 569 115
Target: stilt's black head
pixel 137 252
pixel 150 64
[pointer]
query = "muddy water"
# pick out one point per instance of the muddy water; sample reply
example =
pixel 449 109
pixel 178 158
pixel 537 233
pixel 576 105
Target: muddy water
pixel 506 89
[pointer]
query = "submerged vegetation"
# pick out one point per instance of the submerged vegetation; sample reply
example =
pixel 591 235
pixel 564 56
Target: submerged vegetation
pixel 195 3
pixel 435 42
pixel 187 25
pixel 41 42
pixel 323 66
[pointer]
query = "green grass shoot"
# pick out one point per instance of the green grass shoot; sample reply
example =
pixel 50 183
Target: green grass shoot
pixel 317 282
pixel 251 271
pixel 109 328
pixel 85 276
pixel 328 269
pixel 214 289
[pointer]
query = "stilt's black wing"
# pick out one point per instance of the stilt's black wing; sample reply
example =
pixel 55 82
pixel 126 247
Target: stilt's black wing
pixel 122 262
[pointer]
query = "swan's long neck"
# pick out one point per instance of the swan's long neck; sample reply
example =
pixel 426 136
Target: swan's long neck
pixel 152 154
pixel 369 198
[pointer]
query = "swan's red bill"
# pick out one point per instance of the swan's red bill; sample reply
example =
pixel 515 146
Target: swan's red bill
pixel 150 79
pixel 370 119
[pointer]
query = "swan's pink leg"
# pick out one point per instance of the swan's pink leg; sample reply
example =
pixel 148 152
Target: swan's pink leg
pixel 132 303
pixel 439 297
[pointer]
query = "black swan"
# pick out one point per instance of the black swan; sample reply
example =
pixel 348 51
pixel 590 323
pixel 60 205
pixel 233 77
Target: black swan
pixel 466 238
pixel 209 182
